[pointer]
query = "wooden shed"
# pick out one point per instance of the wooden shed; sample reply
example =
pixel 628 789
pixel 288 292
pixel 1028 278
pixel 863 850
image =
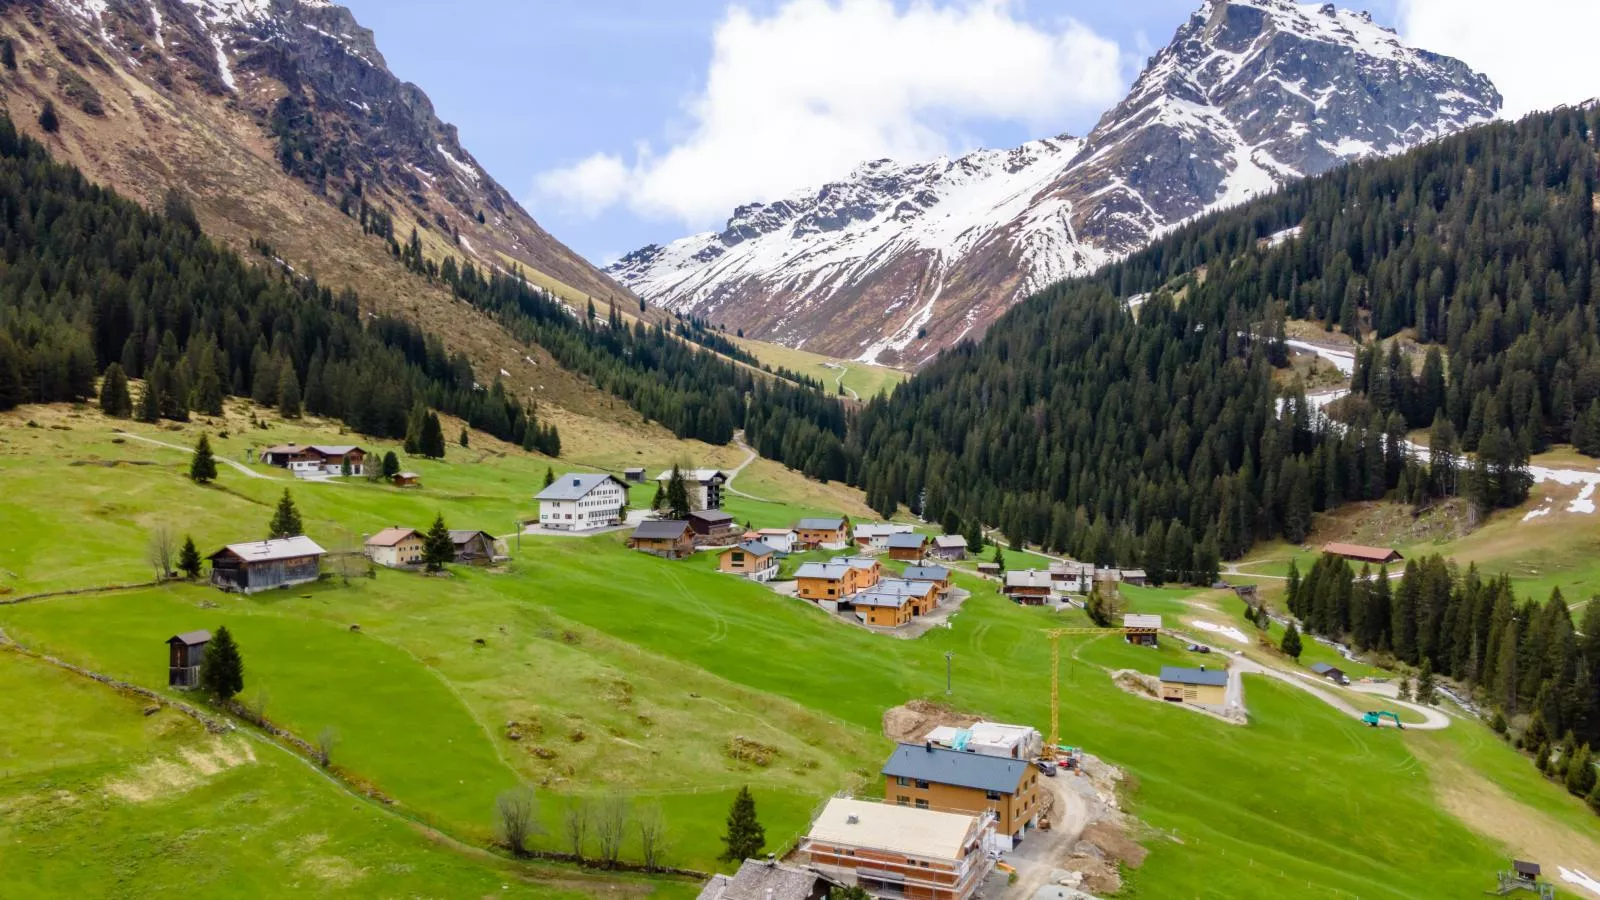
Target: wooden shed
pixel 1377 556
pixel 184 655
pixel 473 548
pixel 264 565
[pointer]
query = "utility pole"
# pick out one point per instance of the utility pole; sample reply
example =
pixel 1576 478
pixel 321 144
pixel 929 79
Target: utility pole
pixel 948 656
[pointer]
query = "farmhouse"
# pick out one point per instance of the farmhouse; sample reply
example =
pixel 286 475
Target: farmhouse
pixel 779 539
pixel 1332 673
pixel 752 559
pixel 990 739
pixel 949 547
pixel 704 486
pixel 713 528
pixel 876 535
pixel 827 534
pixel 990 569
pixel 930 777
pixel 1202 686
pixel 1135 577
pixel 825 582
pixel 633 476
pixel 1141 630
pixel 666 538
pixel 1359 553
pixel 907 547
pixel 884 609
pixel 407 480
pixel 1072 577
pixel 184 654
pixel 473 548
pixel 395 547
pixel 579 501
pixel 1029 587
pixel 902 852
pixel 938 576
pixel 264 565
pixel 316 459
pixel 768 879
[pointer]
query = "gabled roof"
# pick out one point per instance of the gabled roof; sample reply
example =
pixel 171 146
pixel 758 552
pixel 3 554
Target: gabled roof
pixel 1135 620
pixel 903 541
pixel 461 537
pixel 279 548
pixel 1200 677
pixel 880 529
pixel 754 548
pixel 1323 668
pixel 776 532
pixel 832 524
pixel 969 770
pixel 324 449
pixel 698 476
pixel 1028 578
pixel 661 530
pixel 763 880
pixel 190 638
pixel 575 486
pixel 926 573
pixel 711 516
pixel 950 542
pixel 891 599
pixel 904 587
pixel 389 537
pixel 1361 552
pixel 828 571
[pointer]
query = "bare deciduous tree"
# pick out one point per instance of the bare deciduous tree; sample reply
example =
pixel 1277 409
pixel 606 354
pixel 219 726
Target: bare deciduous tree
pixel 326 741
pixel 652 836
pixel 161 550
pixel 575 822
pixel 518 810
pixel 610 828
pixel 349 556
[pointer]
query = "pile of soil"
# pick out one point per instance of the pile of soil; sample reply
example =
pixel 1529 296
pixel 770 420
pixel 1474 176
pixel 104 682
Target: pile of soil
pixel 912 722
pixel 1115 843
pixel 1135 682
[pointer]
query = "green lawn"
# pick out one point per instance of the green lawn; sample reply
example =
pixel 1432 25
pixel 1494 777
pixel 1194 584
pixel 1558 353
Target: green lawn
pixel 866 381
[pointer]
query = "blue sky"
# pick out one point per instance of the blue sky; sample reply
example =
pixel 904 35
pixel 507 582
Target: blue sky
pixel 619 123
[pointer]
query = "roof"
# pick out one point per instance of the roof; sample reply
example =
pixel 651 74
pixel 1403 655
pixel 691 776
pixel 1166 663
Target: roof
pixel 574 486
pixel 461 537
pixel 879 529
pixel 1028 578
pixel 754 548
pixel 1070 567
pixel 1201 677
pixel 902 586
pixel 634 469
pixel 391 536
pixel 1530 869
pixel 661 529
pixel 762 880
pixel 893 599
pixel 325 449
pixel 778 532
pixel 926 573
pixel 950 542
pixel 406 475
pixel 1359 551
pixel 1135 620
pixel 1134 573
pixel 700 476
pixel 989 735
pixel 279 548
pixel 970 770
pixel 711 515
pixel 903 541
pixel 1323 668
pixel 833 524
pixel 988 567
pixel 828 571
pixel 858 562
pixel 897 829
pixel 190 638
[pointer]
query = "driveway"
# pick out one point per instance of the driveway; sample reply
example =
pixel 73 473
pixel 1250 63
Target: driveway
pixel 635 516
pixel 1042 852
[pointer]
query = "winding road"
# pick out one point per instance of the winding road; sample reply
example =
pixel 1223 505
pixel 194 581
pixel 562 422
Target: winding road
pixel 750 457
pixel 249 472
pixel 1240 666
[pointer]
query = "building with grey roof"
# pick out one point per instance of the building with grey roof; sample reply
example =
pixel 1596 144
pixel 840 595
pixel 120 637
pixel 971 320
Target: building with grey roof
pixel 582 501
pixel 767 879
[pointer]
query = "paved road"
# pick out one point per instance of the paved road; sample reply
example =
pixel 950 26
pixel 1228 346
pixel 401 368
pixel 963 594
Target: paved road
pixel 221 459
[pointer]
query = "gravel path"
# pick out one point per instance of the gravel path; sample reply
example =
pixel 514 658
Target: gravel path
pixel 249 472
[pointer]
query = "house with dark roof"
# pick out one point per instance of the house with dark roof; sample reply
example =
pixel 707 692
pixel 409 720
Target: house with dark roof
pixel 1202 686
pixel 949 547
pixel 1332 673
pixel 316 459
pixel 938 576
pixel 768 879
pixel 713 528
pixel 704 486
pixel 930 777
pixel 666 538
pixel 884 609
pixel 826 582
pixel 582 501
pixel 751 559
pixel 185 652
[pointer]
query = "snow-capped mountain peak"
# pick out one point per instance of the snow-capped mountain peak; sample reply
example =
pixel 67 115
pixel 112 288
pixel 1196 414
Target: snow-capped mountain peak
pixel 899 259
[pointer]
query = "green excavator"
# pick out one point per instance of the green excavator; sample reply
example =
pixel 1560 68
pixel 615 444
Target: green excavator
pixel 1378 715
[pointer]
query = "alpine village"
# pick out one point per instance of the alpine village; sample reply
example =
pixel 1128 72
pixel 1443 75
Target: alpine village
pixel 1201 507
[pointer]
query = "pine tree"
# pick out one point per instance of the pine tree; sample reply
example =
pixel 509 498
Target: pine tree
pixel 660 501
pixel 391 465
pixel 345 469
pixel 432 437
pixel 48 119
pixel 203 467
pixel 463 439
pixel 975 538
pixel 678 506
pixel 1580 772
pixel 1291 642
pixel 416 423
pixel 286 519
pixel 189 558
pixel 114 398
pixel 1000 558
pixel 222 667
pixel 1425 683
pixel 8 54
pixel 550 477
pixel 289 401
pixel 149 403
pixel 746 839
pixel 437 548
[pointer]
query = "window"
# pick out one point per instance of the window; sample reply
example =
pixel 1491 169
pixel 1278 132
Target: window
pixel 921 785
pixel 902 800
pixel 991 795
pixel 922 804
pixel 902 781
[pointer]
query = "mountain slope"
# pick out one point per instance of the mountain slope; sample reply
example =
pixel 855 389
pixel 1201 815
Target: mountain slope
pixel 896 261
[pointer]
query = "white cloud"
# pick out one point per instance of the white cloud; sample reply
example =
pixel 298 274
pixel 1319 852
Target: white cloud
pixel 802 96
pixel 1538 52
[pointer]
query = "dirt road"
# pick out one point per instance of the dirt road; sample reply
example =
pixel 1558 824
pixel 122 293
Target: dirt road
pixel 221 459
pixel 1042 852
pixel 750 457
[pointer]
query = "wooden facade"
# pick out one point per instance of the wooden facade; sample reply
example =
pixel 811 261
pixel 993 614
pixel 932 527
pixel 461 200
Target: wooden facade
pixel 667 539
pixel 752 559
pixel 969 787
pixel 265 565
pixel 814 533
pixel 185 652
pixel 473 548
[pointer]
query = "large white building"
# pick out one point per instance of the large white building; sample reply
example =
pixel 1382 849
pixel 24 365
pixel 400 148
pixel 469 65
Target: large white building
pixel 582 502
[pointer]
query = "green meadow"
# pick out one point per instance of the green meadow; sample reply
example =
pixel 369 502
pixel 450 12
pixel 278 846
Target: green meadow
pixel 587 671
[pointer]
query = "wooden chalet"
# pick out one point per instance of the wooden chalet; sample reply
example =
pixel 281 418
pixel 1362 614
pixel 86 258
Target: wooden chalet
pixel 949 547
pixel 1141 630
pixel 473 548
pixel 407 480
pixel 316 459
pixel 1377 556
pixel 938 576
pixel 907 547
pixel 666 538
pixel 185 652
pixel 1029 587
pixel 830 533
pixel 751 559
pixel 264 565
pixel 396 547
pixel 713 528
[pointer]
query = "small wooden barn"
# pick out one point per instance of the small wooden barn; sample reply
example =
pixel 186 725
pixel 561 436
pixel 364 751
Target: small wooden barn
pixel 473 548
pixel 264 565
pixel 185 652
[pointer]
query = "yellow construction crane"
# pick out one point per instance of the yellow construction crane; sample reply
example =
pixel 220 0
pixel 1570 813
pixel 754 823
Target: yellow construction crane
pixel 1055 635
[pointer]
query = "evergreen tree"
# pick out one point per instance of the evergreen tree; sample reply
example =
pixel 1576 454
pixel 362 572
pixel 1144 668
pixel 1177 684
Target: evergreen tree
pixel 1425 684
pixel 203 467
pixel 550 477
pixel 975 538
pixel 8 54
pixel 659 502
pixel 289 400
pixel 432 437
pixel 678 506
pixel 1291 642
pixel 745 838
pixel 286 519
pixel 48 119
pixel 189 558
pixel 416 424
pixel 222 667
pixel 463 439
pixel 391 465
pixel 1580 772
pixel 1000 558
pixel 114 398
pixel 345 469
pixel 149 403
pixel 437 547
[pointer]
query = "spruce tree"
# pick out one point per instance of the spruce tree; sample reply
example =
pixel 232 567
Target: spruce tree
pixel 114 398
pixel 203 467
pixel 432 443
pixel 48 119
pixel 149 403
pixel 391 465
pixel 1291 642
pixel 437 548
pixel 286 519
pixel 289 400
pixel 416 424
pixel 189 558
pixel 463 439
pixel 660 501
pixel 975 538
pixel 1425 683
pixel 549 476
pixel 678 506
pixel 222 667
pixel 745 839
pixel 8 54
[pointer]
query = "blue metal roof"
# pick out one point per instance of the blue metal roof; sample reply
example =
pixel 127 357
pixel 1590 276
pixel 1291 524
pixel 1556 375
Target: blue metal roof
pixel 575 486
pixel 1199 677
pixel 926 573
pixel 970 770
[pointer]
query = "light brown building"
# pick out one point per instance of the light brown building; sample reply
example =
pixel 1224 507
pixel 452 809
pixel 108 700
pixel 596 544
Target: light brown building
pixel 395 547
pixel 829 533
pixel 884 610
pixel 929 777
pixel 826 581
pixel 907 547
pixel 1378 556
pixel 1202 686
pixel 901 852
pixel 667 538
pixel 1029 587
pixel 752 559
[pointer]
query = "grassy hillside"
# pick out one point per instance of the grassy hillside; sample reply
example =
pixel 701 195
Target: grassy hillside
pixel 846 377
pixel 652 680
